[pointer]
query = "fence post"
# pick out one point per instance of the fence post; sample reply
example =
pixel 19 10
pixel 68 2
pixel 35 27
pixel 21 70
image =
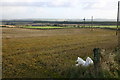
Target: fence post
pixel 97 55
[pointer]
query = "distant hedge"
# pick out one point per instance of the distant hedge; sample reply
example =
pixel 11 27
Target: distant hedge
pixel 73 22
pixel 2 26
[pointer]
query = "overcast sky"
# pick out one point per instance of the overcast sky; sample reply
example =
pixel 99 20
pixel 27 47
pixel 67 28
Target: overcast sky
pixel 58 9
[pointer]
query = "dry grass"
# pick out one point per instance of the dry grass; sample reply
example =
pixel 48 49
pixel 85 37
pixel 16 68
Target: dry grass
pixel 49 53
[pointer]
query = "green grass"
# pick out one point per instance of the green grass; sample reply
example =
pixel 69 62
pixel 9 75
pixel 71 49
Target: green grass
pixel 44 27
pixel 106 26
pixel 103 26
pixel 58 27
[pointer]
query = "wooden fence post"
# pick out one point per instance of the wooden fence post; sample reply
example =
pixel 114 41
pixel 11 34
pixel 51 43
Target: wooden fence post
pixel 97 60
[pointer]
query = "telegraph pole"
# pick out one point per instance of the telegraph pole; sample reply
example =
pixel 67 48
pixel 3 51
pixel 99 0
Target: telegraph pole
pixel 92 22
pixel 118 12
pixel 84 22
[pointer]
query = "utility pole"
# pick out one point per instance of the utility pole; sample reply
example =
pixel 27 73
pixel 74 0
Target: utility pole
pixel 118 18
pixel 84 22
pixel 92 22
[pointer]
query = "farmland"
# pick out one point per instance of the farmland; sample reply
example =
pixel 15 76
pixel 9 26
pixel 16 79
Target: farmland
pixel 54 27
pixel 44 27
pixel 31 53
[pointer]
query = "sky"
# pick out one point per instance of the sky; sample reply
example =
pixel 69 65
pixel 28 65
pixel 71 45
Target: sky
pixel 58 9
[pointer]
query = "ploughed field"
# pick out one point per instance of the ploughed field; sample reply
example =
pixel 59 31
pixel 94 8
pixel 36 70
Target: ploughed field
pixel 48 53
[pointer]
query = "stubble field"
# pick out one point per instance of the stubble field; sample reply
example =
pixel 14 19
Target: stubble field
pixel 33 53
